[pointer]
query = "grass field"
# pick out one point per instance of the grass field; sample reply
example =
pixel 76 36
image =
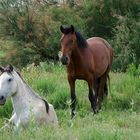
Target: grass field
pixel 119 118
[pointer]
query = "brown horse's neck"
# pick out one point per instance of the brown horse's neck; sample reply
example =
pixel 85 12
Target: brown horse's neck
pixel 76 53
pixel 76 58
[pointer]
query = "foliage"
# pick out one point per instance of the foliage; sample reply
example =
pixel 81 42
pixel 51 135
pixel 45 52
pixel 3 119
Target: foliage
pixel 126 34
pixel 99 17
pixel 34 27
pixel 123 52
pixel 126 43
pixel 12 54
pixel 22 22
pixel 133 70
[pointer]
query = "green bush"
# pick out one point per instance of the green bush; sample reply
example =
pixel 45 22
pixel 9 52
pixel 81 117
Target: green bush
pixel 126 43
pixel 133 70
pixel 36 27
pixel 99 18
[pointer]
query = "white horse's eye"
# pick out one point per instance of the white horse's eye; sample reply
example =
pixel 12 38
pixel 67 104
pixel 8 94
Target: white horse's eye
pixel 10 79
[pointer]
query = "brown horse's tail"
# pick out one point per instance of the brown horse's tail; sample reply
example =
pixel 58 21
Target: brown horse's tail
pixel 109 67
pixel 108 81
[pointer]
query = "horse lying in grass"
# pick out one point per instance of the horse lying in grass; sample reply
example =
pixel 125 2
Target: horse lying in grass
pixel 26 103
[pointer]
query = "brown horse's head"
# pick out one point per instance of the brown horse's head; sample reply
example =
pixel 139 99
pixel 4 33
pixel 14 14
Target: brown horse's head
pixel 68 40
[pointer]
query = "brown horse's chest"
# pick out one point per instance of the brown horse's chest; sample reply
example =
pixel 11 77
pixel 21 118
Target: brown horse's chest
pixel 77 72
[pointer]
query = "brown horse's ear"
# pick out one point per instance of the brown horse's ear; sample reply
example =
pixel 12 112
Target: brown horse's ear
pixel 1 69
pixel 61 29
pixel 9 68
pixel 72 28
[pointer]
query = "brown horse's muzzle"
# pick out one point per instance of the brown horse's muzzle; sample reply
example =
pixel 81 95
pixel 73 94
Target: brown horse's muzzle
pixel 64 59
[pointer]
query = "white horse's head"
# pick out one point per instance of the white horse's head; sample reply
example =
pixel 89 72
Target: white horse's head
pixel 8 84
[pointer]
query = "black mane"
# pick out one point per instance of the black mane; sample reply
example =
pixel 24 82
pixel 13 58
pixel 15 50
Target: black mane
pixel 82 43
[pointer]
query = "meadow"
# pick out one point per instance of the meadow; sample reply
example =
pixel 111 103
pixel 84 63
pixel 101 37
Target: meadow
pixel 119 118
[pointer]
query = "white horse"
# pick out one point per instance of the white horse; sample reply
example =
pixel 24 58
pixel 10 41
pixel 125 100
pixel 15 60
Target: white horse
pixel 27 104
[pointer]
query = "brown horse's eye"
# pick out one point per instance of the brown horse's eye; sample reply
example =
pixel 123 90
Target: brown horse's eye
pixel 70 42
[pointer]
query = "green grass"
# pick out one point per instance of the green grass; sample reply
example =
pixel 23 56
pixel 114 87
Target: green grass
pixel 119 118
pixel 1 54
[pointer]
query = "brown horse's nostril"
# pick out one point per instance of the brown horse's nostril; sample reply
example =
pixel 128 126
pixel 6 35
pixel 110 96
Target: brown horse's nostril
pixel 64 60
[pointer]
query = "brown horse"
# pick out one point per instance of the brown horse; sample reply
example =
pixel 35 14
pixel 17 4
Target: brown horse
pixel 89 60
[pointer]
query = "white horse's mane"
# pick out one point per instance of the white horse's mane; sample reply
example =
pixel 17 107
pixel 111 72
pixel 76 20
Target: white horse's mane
pixel 29 89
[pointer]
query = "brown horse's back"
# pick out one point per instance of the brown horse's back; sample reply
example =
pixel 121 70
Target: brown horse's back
pixel 102 55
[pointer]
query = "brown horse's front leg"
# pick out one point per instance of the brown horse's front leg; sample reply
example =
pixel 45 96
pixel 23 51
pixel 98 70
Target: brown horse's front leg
pixel 92 96
pixel 73 96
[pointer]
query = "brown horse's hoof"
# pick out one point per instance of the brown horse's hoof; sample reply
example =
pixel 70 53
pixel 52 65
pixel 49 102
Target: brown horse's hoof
pixel 73 114
pixel 96 111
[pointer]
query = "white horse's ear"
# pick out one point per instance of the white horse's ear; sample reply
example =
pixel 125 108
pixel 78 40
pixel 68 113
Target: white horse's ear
pixel 9 68
pixel 1 69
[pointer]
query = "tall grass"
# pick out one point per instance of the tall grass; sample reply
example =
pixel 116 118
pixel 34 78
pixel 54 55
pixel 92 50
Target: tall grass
pixel 119 118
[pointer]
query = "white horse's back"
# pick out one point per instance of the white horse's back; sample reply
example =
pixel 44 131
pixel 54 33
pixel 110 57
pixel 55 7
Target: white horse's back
pixel 42 115
pixel 52 114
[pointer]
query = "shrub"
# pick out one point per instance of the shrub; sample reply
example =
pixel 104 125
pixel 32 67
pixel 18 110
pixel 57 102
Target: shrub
pixel 126 43
pixel 98 17
pixel 36 27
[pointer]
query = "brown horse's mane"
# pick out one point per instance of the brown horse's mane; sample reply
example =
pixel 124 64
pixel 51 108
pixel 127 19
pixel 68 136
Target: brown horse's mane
pixel 81 41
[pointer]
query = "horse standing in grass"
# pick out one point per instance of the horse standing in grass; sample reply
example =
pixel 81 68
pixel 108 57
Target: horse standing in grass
pixel 88 60
pixel 27 105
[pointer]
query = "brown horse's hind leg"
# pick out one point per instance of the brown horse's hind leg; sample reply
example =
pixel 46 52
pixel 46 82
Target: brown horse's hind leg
pixel 92 95
pixel 97 88
pixel 73 96
pixel 103 90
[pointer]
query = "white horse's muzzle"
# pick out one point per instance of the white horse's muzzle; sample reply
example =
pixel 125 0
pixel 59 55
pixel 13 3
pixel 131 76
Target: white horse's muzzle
pixel 2 100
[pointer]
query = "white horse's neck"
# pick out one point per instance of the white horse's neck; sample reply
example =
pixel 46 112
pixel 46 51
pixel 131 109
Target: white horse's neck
pixel 24 95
